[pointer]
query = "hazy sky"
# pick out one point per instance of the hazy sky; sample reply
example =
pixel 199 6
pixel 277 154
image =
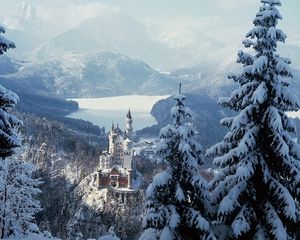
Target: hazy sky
pixel 213 16
pixel 168 8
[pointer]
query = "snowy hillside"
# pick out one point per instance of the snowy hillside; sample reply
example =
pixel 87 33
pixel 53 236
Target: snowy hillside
pixel 189 46
pixel 34 236
pixel 9 65
pixel 105 74
pixel 210 75
pixel 91 75
pixel 25 28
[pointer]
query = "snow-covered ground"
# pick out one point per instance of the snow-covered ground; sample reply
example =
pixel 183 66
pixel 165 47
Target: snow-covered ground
pixel 34 236
pixel 104 111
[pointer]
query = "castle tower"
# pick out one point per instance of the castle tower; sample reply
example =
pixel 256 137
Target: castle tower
pixel 111 140
pixel 127 154
pixel 127 145
pixel 129 128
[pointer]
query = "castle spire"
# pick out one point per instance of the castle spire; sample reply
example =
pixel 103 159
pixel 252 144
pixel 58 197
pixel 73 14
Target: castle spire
pixel 129 128
pixel 129 115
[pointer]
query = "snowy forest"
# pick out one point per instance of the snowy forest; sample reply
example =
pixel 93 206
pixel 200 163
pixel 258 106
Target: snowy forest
pixel 189 164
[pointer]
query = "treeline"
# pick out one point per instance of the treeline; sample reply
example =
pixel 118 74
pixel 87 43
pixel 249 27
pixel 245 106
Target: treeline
pixel 75 146
pixel 63 156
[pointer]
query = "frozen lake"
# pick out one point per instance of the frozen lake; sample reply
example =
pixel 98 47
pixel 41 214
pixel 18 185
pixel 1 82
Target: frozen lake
pixel 108 110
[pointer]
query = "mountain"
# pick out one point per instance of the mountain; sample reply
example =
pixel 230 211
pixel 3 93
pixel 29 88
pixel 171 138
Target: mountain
pixel 166 49
pixel 24 15
pixel 110 31
pixel 163 46
pixel 25 29
pixel 90 75
pixel 115 32
pixel 210 75
pixel 101 74
pixel 190 46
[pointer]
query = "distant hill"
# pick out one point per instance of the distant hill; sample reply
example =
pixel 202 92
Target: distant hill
pixel 90 75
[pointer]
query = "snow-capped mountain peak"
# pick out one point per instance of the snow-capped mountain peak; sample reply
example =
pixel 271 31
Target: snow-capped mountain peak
pixel 24 14
pixel 26 11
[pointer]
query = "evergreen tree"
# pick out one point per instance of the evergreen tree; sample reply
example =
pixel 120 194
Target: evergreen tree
pixel 4 43
pixel 79 236
pixel 18 205
pixel 8 123
pixel 111 235
pixel 177 199
pixel 17 186
pixel 256 193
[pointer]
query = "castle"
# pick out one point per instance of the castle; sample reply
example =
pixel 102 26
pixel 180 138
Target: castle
pixel 117 166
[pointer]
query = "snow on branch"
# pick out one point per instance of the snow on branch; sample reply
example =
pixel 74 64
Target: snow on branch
pixel 242 222
pixel 259 65
pixel 285 198
pixel 277 229
pixel 231 201
pixel 274 119
pixel 260 94
pixel 272 2
pixel 159 180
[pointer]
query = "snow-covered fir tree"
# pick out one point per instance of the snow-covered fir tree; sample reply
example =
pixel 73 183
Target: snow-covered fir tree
pixel 18 204
pixel 111 235
pixel 256 194
pixel 79 236
pixel 18 188
pixel 8 123
pixel 4 43
pixel 177 200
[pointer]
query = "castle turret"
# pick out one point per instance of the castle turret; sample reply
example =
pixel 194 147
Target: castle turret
pixel 111 140
pixel 129 128
pixel 127 153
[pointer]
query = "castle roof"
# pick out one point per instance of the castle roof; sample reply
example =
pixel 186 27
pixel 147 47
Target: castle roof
pixel 128 115
pixel 118 131
pixel 127 140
